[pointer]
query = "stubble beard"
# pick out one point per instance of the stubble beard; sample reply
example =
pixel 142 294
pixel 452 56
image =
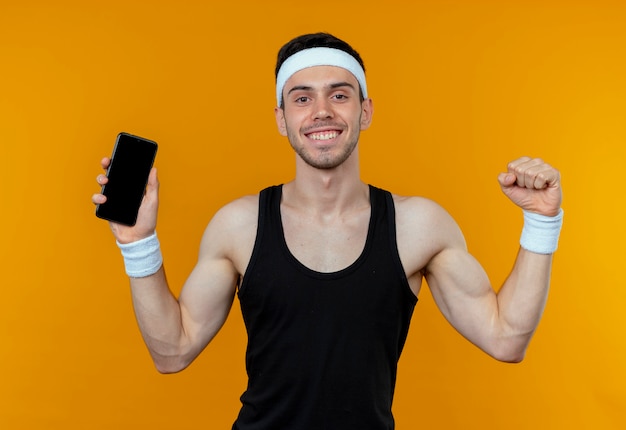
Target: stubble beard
pixel 322 158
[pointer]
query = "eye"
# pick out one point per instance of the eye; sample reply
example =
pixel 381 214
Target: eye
pixel 340 97
pixel 301 99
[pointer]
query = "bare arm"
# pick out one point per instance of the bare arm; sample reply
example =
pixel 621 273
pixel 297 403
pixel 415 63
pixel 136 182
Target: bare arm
pixel 501 323
pixel 177 330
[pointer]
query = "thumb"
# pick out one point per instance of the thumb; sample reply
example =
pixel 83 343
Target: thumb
pixel 151 195
pixel 506 179
pixel 153 180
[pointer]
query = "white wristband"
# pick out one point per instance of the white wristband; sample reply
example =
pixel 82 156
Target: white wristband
pixel 143 257
pixel 541 233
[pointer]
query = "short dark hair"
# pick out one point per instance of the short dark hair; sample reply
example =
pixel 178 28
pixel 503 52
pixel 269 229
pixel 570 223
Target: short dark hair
pixel 315 40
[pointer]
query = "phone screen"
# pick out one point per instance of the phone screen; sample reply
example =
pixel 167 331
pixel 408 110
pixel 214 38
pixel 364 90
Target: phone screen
pixel 128 173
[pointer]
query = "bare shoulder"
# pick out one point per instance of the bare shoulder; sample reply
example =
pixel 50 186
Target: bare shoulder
pixel 417 213
pixel 232 231
pixel 423 228
pixel 238 213
pixel 415 205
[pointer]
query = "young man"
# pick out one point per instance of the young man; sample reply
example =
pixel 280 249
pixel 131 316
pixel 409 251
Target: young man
pixel 328 269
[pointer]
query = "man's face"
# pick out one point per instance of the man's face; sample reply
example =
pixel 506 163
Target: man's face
pixel 323 115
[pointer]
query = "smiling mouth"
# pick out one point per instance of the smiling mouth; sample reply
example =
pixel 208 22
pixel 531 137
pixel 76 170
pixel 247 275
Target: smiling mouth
pixel 324 135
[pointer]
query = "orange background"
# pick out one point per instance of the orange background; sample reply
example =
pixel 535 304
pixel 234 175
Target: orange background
pixel 460 88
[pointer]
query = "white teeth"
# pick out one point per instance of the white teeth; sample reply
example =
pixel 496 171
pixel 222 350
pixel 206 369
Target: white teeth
pixel 324 135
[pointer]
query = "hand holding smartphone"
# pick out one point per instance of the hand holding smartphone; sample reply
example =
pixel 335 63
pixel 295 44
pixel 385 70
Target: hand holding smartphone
pixel 131 162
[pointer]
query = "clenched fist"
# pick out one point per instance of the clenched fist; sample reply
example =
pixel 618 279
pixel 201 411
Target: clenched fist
pixel 533 185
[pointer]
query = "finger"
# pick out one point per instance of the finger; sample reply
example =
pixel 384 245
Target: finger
pixel 541 176
pixel 530 176
pixel 539 180
pixel 546 177
pixel 515 164
pixel 98 199
pixel 538 175
pixel 102 179
pixel 525 170
pixel 105 162
pixel 515 168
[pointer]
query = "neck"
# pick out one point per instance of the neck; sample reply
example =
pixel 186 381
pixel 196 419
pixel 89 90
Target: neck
pixel 327 191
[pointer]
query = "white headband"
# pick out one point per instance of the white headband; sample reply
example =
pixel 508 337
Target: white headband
pixel 318 57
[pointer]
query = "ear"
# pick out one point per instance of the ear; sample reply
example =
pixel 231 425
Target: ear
pixel 367 110
pixel 280 121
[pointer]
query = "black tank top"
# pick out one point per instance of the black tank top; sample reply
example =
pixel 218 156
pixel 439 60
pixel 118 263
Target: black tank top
pixel 323 347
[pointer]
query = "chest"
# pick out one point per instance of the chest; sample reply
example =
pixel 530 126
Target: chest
pixel 326 244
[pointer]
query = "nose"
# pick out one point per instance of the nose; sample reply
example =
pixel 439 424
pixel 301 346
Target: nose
pixel 322 109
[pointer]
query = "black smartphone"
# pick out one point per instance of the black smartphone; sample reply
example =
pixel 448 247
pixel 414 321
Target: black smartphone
pixel 131 162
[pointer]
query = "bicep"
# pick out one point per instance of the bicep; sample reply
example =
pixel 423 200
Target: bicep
pixel 431 244
pixel 463 293
pixel 208 294
pixel 206 299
